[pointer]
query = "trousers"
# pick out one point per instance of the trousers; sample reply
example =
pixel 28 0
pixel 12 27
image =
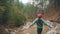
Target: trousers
pixel 39 30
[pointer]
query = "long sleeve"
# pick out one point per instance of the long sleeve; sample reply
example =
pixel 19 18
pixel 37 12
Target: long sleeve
pixel 46 23
pixel 33 22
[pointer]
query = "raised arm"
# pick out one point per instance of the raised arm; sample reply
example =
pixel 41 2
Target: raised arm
pixel 46 23
pixel 33 22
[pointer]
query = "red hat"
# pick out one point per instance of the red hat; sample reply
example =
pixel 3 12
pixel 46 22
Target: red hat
pixel 39 15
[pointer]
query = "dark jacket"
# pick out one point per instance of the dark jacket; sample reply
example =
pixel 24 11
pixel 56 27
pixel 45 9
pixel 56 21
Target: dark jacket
pixel 39 22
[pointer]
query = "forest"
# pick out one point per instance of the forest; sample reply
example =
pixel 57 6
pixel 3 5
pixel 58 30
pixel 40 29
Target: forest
pixel 16 13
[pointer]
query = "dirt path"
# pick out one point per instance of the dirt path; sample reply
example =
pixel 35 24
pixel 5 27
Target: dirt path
pixel 32 30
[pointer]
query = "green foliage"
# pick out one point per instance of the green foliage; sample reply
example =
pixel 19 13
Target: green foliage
pixel 10 14
pixel 28 10
pixel 2 9
pixel 20 20
pixel 13 13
